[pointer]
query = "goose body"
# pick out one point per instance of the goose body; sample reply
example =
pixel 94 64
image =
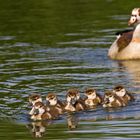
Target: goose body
pixel 127 44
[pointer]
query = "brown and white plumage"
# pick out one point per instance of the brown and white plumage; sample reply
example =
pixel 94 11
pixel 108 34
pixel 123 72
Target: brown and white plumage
pixel 121 92
pixel 55 105
pixel 33 99
pixel 74 101
pixel 127 44
pixel 93 99
pixel 40 112
pixel 111 100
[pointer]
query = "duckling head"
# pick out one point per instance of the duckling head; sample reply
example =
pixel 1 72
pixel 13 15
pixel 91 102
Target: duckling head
pixel 51 98
pixel 90 93
pixel 108 97
pixel 119 91
pixel 33 98
pixel 72 96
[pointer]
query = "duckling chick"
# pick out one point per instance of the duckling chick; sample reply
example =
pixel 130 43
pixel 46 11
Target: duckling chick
pixel 33 99
pixel 40 112
pixel 93 99
pixel 121 92
pixel 69 106
pixel 74 102
pixel 55 105
pixel 111 100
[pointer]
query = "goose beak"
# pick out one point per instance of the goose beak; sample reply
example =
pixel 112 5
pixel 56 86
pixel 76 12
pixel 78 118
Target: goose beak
pixel 132 21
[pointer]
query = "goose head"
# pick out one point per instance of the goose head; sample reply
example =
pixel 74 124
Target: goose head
pixel 135 17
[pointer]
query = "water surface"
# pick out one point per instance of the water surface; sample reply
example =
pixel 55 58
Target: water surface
pixel 55 45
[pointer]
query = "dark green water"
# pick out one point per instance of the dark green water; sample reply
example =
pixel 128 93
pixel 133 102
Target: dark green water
pixel 54 45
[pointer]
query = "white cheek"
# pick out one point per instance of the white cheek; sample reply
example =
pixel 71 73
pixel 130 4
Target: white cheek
pixel 39 100
pixel 36 107
pixel 92 96
pixel 77 96
pixel 41 110
pixel 68 99
pixel 121 93
pixel 53 102
pixel 111 99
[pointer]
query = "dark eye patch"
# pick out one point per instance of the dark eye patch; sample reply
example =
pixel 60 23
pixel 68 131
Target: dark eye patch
pixel 134 15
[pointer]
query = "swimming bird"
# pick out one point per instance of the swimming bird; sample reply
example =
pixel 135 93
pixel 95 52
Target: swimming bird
pixel 121 92
pixel 40 112
pixel 93 99
pixel 74 101
pixel 111 100
pixel 56 106
pixel 33 99
pixel 127 44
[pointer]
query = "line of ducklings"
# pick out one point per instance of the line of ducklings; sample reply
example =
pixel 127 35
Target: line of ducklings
pixel 118 97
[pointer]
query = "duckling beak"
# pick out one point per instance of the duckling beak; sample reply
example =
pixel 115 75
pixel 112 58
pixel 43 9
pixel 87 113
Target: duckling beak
pixel 36 112
pixel 73 101
pixel 106 101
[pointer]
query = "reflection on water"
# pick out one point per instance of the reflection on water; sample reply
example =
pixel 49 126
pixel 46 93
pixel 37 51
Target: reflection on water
pixel 133 68
pixel 72 121
pixel 37 129
pixel 112 125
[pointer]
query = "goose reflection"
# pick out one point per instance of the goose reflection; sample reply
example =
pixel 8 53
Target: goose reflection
pixel 133 68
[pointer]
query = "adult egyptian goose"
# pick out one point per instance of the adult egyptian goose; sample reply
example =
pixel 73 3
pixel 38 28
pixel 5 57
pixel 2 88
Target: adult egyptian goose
pixel 127 44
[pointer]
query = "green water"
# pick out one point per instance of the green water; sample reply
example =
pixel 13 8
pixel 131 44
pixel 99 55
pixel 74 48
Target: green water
pixel 54 45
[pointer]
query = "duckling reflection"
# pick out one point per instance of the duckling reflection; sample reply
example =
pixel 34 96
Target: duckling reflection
pixel 38 129
pixel 115 114
pixel 72 121
pixel 133 68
